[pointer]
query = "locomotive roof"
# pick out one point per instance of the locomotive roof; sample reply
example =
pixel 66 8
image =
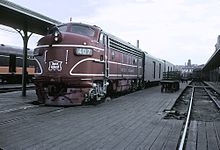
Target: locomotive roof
pixel 158 59
pixel 6 49
pixel 83 24
pixel 161 60
pixel 122 41
pixel 110 35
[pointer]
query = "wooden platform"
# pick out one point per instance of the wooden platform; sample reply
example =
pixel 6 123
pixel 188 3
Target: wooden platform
pixel 134 121
pixel 204 136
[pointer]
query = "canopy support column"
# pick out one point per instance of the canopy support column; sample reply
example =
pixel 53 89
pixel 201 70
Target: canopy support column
pixel 25 37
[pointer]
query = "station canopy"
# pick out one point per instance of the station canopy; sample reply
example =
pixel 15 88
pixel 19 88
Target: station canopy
pixel 213 61
pixel 18 17
pixel 23 19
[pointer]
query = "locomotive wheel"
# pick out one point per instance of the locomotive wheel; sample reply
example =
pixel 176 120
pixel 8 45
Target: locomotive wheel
pixel 41 95
pixel 111 90
pixel 93 98
pixel 107 99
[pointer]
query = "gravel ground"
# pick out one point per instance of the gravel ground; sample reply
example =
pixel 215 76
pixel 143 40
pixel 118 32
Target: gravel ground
pixel 203 108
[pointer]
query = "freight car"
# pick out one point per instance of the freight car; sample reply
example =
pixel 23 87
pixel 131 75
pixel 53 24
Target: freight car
pixel 11 59
pixel 82 63
pixel 154 68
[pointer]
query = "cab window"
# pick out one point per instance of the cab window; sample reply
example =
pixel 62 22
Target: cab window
pixel 83 30
pixel 101 38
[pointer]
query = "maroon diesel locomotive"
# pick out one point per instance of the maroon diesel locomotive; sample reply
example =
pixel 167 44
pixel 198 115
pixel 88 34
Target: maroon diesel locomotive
pixel 82 63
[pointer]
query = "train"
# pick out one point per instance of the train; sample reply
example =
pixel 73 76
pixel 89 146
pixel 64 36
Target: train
pixel 81 63
pixel 11 62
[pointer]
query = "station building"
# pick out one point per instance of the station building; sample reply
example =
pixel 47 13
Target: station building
pixel 211 70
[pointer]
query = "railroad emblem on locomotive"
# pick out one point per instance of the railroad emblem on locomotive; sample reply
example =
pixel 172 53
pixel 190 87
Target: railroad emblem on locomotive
pixel 55 65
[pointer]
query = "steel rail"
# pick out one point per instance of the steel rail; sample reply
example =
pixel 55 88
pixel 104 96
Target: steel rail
pixel 182 142
pixel 212 98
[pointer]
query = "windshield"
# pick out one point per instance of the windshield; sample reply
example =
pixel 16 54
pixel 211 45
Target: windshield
pixel 82 30
pixel 62 28
pixel 75 28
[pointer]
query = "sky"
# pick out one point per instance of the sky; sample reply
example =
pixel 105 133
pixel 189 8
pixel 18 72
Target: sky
pixel 174 30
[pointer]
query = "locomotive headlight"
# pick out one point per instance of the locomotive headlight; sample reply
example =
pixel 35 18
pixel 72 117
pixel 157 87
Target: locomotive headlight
pixel 84 51
pixel 56 39
pixel 57 36
pixel 56 33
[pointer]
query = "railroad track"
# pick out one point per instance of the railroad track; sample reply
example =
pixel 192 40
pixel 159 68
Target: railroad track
pixel 201 97
pixel 12 88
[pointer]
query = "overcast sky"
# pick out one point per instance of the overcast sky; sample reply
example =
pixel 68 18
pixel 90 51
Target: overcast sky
pixel 174 30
